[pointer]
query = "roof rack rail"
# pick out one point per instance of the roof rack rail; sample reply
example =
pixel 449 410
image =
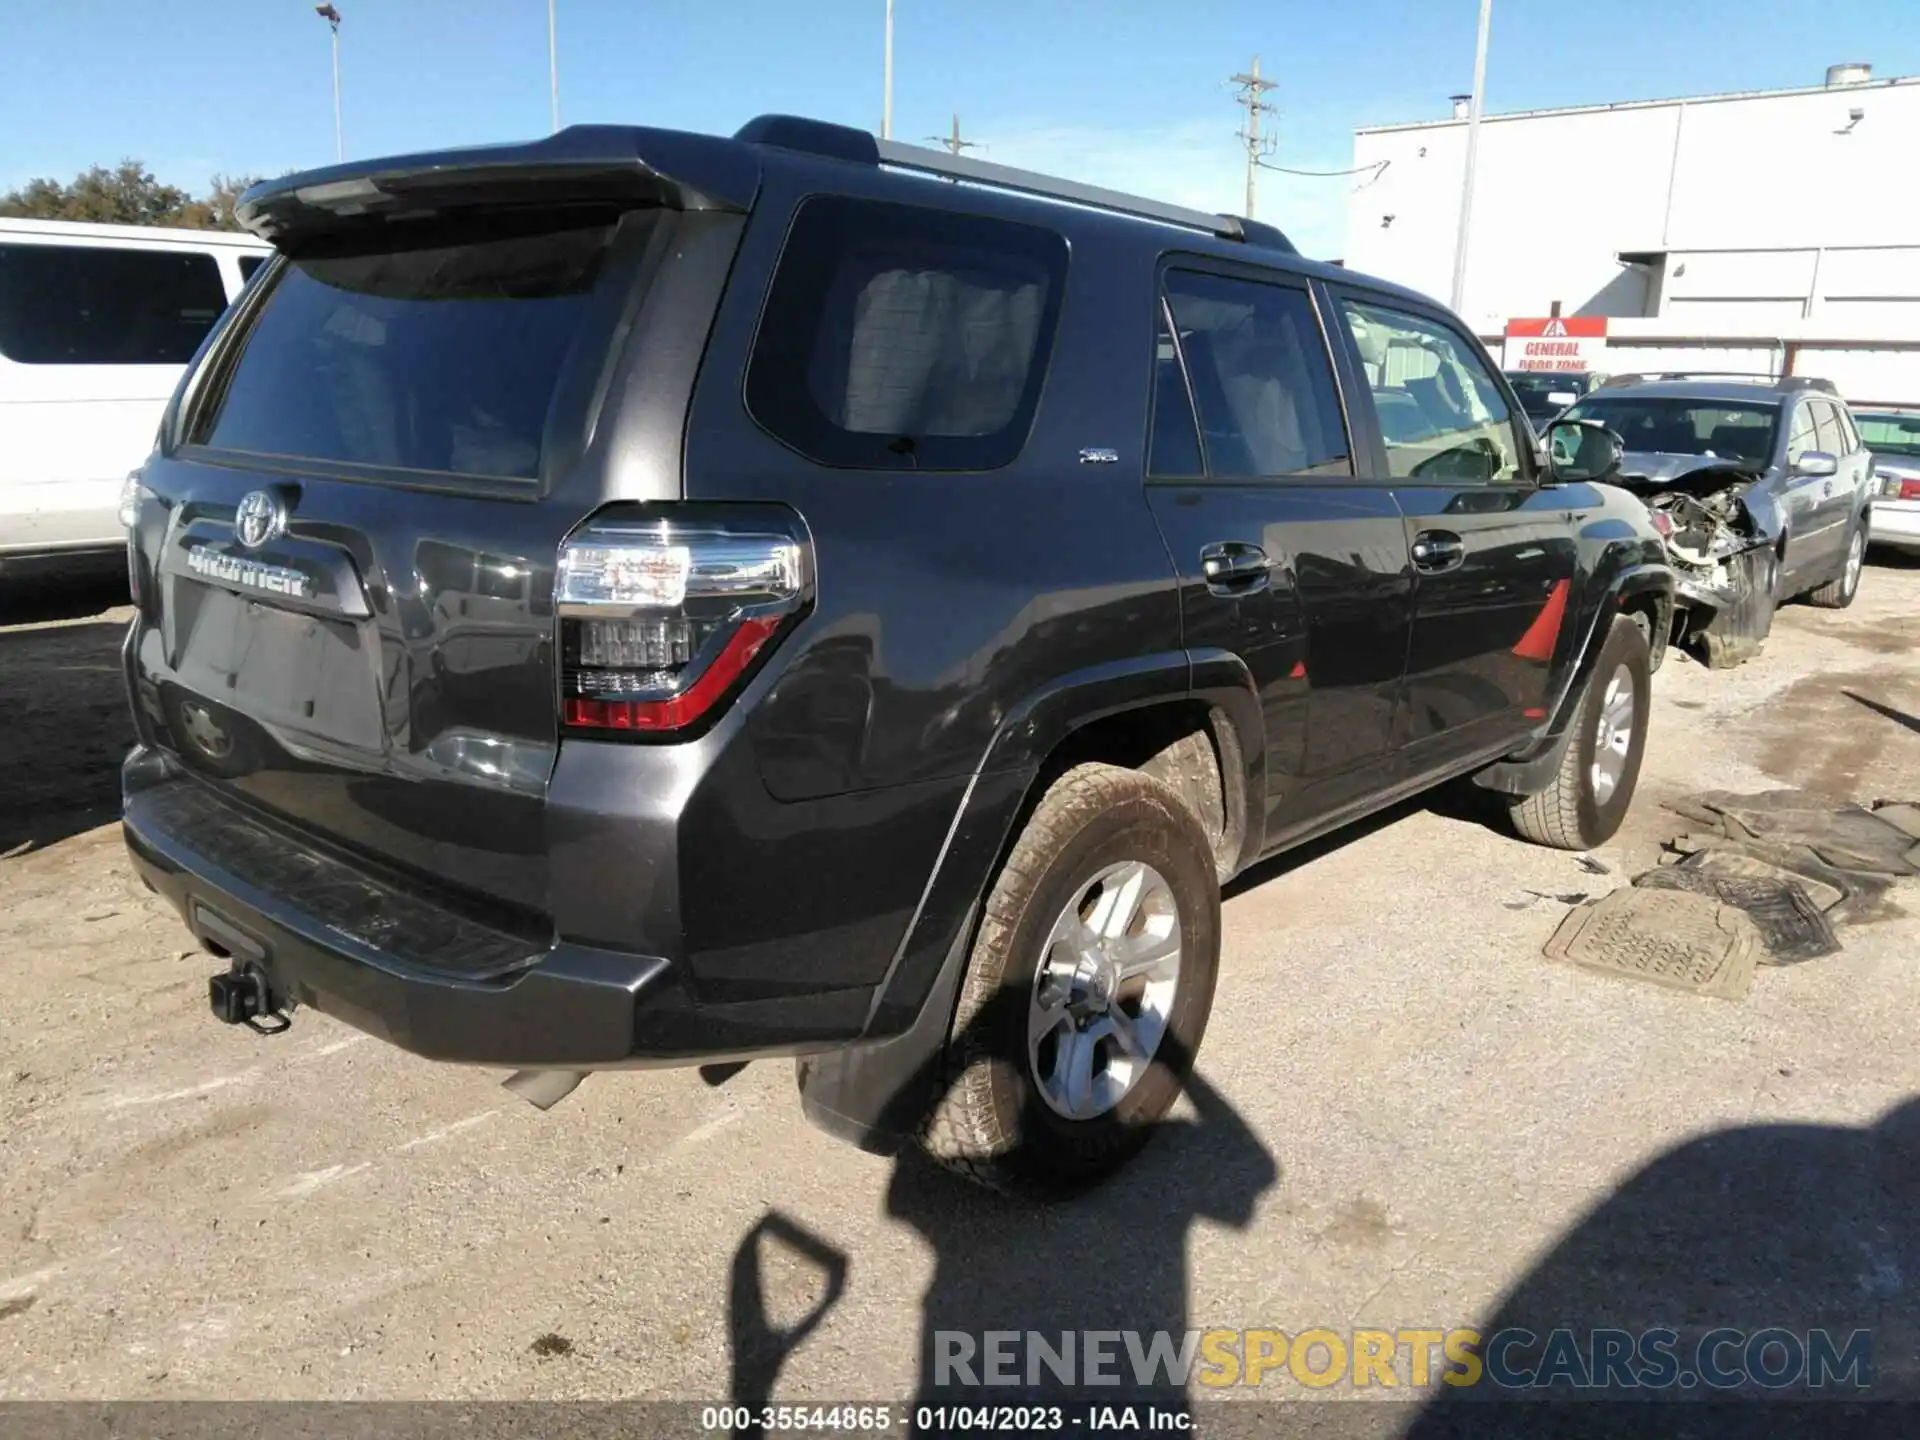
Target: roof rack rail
pixel 1778 382
pixel 843 142
pixel 1049 187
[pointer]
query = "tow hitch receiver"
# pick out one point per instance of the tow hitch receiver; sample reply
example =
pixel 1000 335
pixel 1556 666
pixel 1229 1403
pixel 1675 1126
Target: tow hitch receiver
pixel 243 997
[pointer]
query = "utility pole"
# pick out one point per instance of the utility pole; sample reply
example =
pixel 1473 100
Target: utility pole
pixel 1473 154
pixel 886 95
pixel 953 144
pixel 553 59
pixel 333 20
pixel 1252 88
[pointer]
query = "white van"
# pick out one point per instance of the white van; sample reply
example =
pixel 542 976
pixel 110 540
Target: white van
pixel 96 324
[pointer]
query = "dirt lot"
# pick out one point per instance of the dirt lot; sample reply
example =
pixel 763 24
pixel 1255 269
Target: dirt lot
pixel 1420 1121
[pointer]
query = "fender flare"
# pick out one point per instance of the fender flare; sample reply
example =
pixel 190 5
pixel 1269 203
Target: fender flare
pixel 1533 768
pixel 875 1092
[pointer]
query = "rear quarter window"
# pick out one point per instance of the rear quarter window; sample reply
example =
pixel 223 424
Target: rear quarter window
pixel 93 305
pixel 896 337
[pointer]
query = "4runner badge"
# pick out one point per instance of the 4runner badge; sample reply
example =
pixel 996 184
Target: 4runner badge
pixel 248 574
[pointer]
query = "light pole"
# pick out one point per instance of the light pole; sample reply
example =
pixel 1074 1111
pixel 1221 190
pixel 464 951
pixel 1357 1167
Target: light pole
pixel 1473 153
pixel 886 92
pixel 553 59
pixel 332 16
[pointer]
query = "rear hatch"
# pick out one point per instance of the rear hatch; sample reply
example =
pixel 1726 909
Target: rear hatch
pixel 345 548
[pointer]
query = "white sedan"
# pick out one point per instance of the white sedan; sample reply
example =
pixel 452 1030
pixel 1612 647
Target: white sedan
pixel 1894 438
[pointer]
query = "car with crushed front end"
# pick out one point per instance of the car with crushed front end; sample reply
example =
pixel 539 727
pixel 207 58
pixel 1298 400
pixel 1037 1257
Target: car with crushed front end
pixel 640 598
pixel 1761 485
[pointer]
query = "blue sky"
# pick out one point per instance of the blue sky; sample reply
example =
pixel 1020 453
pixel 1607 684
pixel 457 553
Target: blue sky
pixel 1130 93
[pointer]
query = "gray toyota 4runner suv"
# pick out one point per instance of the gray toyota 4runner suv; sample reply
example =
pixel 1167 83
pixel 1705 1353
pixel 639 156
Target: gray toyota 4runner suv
pixel 643 598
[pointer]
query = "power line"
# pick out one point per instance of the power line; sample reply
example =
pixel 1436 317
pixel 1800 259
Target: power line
pixel 1252 88
pixel 1376 167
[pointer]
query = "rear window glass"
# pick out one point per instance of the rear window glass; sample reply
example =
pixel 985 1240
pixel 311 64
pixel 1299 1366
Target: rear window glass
pixel 896 337
pixel 85 305
pixel 443 356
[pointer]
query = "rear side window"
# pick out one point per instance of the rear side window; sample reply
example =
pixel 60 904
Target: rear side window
pixel 1827 431
pixel 84 305
pixel 441 356
pixel 1173 448
pixel 900 338
pixel 1261 377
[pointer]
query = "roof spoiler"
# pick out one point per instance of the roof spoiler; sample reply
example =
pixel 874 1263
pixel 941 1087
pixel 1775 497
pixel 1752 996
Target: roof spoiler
pixel 583 164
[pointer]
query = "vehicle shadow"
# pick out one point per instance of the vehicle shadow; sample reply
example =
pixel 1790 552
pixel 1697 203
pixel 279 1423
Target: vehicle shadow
pixel 1460 800
pixel 1111 1258
pixel 64 731
pixel 1797 1229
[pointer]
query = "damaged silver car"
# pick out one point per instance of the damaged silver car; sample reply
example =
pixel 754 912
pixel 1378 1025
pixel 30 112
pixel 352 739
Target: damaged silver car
pixel 1760 486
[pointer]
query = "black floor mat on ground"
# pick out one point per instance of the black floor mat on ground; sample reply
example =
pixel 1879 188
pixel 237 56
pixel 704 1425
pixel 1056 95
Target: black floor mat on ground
pixel 1792 928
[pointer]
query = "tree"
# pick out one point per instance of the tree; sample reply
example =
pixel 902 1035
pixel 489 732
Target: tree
pixel 128 194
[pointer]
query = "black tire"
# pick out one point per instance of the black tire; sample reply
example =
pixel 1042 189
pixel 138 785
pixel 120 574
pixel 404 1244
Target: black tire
pixel 1838 593
pixel 1736 634
pixel 1568 814
pixel 991 1122
pixel 1190 768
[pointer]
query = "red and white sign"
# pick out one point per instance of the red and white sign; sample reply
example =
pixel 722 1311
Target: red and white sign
pixel 1556 342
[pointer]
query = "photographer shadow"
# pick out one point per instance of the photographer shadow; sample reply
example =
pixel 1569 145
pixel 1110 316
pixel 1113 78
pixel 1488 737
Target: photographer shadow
pixel 1111 1258
pixel 1791 1228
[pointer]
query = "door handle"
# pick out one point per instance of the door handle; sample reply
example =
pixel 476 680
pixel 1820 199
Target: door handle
pixel 1435 551
pixel 1232 567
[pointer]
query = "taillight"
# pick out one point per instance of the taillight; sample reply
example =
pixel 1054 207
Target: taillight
pixel 1662 522
pixel 663 612
pixel 1899 487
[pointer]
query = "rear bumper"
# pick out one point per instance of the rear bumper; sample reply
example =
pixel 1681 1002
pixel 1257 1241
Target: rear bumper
pixel 380 958
pixel 1896 523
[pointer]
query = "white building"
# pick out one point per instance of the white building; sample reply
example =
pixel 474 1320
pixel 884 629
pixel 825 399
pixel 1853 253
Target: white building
pixel 1770 230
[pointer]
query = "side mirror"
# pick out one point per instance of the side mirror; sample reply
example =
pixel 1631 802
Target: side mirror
pixel 1582 450
pixel 1815 463
pixel 1562 398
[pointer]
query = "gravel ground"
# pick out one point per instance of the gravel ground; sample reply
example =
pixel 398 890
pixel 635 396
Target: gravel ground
pixel 1419 1121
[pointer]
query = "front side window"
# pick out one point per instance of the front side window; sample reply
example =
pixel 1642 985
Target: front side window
pixel 1260 375
pixel 90 305
pixel 1441 412
pixel 437 353
pixel 896 337
pixel 1803 435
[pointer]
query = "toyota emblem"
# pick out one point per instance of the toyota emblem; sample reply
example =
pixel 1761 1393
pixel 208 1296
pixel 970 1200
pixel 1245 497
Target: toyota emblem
pixel 262 516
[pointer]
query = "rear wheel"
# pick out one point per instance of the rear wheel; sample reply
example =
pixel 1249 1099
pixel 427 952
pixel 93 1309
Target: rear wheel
pixel 1838 593
pixel 1087 990
pixel 1591 792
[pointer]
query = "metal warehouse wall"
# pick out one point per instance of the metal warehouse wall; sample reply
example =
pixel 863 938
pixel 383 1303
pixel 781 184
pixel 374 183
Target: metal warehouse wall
pixel 1738 211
